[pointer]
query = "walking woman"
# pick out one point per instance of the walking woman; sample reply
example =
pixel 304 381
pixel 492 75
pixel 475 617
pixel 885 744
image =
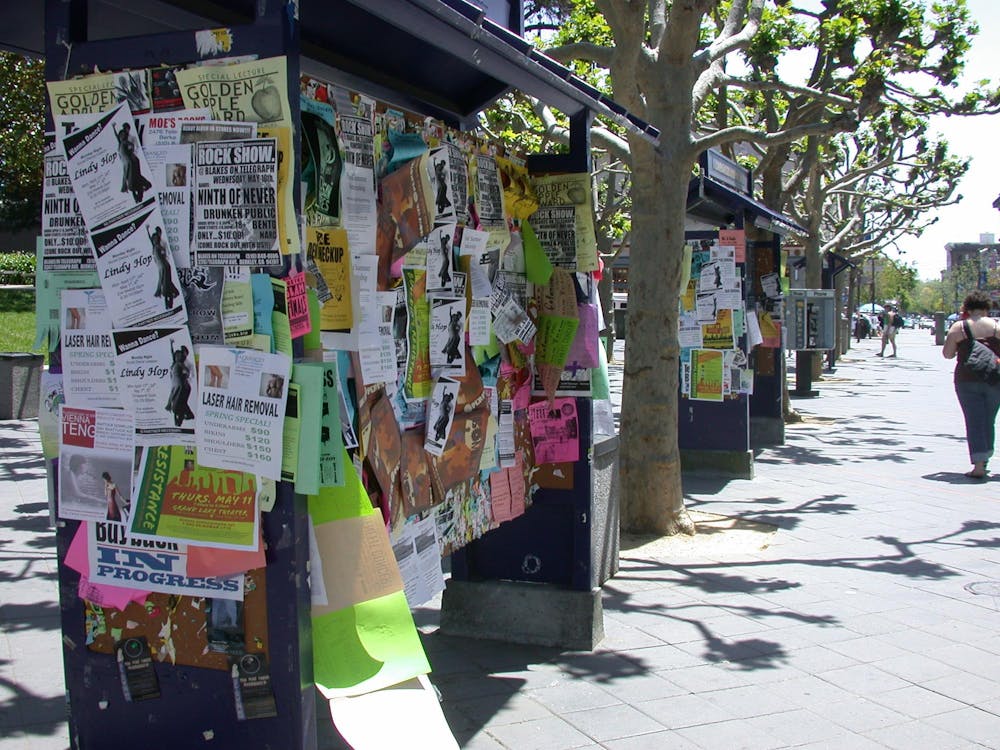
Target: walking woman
pixel 980 401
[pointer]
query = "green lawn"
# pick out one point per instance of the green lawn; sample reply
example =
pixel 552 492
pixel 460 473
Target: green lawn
pixel 17 320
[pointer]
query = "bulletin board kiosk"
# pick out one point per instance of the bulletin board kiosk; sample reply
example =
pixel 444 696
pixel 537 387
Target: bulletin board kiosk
pixel 418 425
pixel 812 319
pixel 735 321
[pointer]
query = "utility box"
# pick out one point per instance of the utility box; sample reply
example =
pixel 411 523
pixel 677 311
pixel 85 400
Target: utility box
pixel 811 319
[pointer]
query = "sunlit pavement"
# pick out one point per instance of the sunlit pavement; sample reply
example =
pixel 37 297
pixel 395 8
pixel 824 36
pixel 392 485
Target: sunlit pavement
pixel 870 618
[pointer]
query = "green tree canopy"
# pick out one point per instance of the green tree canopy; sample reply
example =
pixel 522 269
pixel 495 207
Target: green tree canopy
pixel 22 117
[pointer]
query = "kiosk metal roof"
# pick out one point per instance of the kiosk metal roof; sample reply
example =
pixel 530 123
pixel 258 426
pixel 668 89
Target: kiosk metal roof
pixel 444 57
pixel 705 195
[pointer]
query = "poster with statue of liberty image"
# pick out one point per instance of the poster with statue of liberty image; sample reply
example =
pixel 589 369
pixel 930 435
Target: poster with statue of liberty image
pixel 179 500
pixel 155 372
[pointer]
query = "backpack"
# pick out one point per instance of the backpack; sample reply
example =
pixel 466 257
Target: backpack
pixel 981 361
pixel 897 320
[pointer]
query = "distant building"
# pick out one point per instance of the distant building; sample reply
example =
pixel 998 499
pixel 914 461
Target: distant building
pixel 985 254
pixel 958 253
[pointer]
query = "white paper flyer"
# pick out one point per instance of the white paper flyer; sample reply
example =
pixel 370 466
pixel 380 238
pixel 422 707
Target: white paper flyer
pixel 440 259
pixel 96 452
pixel 106 164
pixel 88 353
pixel 64 234
pixel 119 559
pixel 447 335
pixel 440 415
pixel 357 182
pixel 155 370
pixel 164 128
pixel 235 203
pixel 170 173
pixel 137 271
pixel 241 413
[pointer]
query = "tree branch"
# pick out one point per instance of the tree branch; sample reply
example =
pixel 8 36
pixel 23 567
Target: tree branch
pixel 840 123
pixel 588 51
pixel 601 137
pixel 732 37
pixel 788 88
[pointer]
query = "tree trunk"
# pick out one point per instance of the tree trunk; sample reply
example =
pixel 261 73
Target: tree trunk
pixel 652 498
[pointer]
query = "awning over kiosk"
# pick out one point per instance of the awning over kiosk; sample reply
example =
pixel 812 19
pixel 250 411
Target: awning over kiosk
pixel 706 197
pixel 448 58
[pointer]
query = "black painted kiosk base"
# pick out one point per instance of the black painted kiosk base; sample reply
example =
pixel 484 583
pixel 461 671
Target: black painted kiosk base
pixel 539 614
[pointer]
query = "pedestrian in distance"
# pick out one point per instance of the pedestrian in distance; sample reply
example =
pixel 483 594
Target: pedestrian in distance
pixel 862 327
pixel 979 400
pixel 892 321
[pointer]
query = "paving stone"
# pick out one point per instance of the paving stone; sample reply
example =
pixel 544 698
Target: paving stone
pixel 966 688
pixel 917 668
pixel 541 734
pixel 655 741
pixel 917 735
pixel 972 723
pixel 612 722
pixel 746 702
pixel 796 727
pixel 641 688
pixel 917 702
pixel 488 710
pixel 866 649
pixel 859 715
pixel 685 710
pixel 733 735
pixel 815 659
pixel 864 679
pixel 577 695
pixel 809 690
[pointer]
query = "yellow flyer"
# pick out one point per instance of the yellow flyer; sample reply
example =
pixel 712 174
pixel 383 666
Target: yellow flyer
pixel 688 297
pixel 255 91
pixel 288 231
pixel 706 374
pixel 99 93
pixel 180 500
pixel 719 335
pixel 564 221
pixel 327 247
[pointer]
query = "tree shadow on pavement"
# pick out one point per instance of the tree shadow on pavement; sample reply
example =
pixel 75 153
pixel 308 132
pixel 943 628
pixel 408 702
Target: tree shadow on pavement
pixel 34 617
pixel 786 518
pixel 29 528
pixel 698 584
pixel 480 680
pixel 26 714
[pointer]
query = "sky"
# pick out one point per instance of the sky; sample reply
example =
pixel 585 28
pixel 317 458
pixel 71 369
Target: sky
pixel 975 137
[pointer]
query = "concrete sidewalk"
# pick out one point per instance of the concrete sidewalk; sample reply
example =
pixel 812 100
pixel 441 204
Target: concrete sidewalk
pixel 868 619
